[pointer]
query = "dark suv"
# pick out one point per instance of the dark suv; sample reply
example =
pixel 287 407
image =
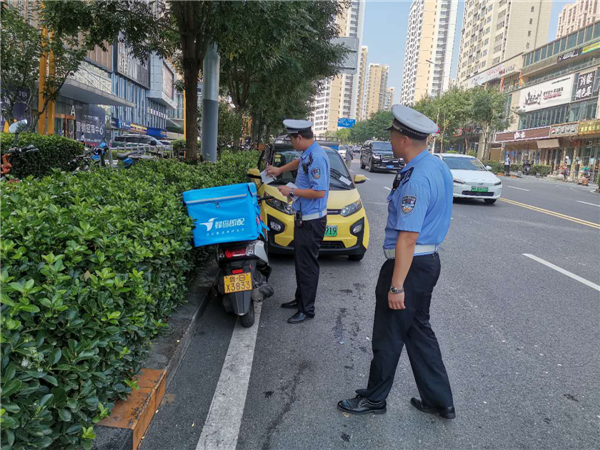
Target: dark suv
pixel 376 155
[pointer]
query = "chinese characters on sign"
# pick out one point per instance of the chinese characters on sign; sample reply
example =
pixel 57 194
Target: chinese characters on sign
pixel 589 127
pixel 90 122
pixel 544 95
pixel 585 84
pixel 519 135
pixel 569 129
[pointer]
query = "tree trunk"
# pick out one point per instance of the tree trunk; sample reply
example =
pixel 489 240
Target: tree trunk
pixel 268 135
pixel 190 77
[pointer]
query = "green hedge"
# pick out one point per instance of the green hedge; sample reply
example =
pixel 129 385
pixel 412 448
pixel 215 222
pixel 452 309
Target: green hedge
pixel 497 167
pixel 541 170
pixel 93 264
pixel 178 145
pixel 55 152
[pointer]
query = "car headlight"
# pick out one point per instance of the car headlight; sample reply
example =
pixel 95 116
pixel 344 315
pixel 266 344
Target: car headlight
pixel 458 181
pixel 499 183
pixel 284 207
pixel 351 208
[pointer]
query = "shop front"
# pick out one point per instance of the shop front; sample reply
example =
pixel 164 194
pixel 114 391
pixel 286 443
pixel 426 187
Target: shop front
pixel 589 151
pixel 534 145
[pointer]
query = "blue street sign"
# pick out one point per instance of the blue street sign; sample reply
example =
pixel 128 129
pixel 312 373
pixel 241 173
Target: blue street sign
pixel 346 123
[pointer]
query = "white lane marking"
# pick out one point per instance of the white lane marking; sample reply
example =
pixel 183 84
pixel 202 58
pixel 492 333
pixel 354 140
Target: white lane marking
pixel 586 203
pixel 351 170
pixel 222 426
pixel 368 178
pixel 563 271
pixel 389 189
pixel 520 189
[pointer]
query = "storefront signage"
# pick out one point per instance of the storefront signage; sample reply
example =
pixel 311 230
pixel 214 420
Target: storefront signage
pixel 138 128
pixel 156 113
pixel 493 73
pixel 157 132
pixel 567 129
pixel 90 123
pixel 523 135
pixel 589 127
pixel 91 75
pixel 545 95
pixel 585 85
pixel 591 48
pixel 572 54
pixel 131 67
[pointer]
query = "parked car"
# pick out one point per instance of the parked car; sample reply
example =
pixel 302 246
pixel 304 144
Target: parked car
pixel 342 150
pixel 347 231
pixel 471 178
pixel 136 139
pixel 376 155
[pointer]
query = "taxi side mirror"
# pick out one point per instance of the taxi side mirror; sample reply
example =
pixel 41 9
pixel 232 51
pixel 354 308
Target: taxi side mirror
pixel 358 179
pixel 488 167
pixel 253 173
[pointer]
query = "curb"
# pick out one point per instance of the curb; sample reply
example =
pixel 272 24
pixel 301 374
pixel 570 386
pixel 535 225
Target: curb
pixel 125 428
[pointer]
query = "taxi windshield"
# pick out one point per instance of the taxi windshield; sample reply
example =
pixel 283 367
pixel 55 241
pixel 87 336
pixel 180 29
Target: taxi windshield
pixel 340 178
pixel 461 163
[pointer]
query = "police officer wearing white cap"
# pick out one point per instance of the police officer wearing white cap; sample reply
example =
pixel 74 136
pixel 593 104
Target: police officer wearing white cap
pixel 419 213
pixel 311 193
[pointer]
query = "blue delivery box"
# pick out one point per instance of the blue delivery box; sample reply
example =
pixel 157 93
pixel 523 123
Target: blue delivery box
pixel 224 214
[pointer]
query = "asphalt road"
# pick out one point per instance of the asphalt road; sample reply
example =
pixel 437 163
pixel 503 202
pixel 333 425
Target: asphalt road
pixel 520 341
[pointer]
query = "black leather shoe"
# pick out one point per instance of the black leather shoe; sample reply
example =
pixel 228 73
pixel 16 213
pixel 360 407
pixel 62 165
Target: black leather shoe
pixel 444 413
pixel 362 405
pixel 299 317
pixel 290 305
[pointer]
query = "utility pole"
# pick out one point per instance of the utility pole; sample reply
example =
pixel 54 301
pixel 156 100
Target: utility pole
pixel 210 103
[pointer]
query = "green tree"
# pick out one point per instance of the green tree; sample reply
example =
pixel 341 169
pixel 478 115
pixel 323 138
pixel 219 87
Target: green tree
pixel 373 128
pixel 344 135
pixel 21 48
pixel 489 114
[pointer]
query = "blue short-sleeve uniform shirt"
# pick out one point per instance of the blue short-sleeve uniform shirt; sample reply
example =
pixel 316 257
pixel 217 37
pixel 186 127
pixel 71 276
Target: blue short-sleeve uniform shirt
pixel 313 173
pixel 421 202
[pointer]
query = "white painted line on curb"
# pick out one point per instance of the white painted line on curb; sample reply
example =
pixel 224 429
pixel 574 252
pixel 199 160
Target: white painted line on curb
pixel 586 203
pixel 389 189
pixel 222 426
pixel 520 189
pixel 564 272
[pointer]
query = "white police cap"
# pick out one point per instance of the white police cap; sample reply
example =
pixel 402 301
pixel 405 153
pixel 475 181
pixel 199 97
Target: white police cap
pixel 296 126
pixel 412 123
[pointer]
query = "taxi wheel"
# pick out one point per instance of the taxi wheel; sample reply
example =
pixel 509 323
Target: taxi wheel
pixel 356 257
pixel 490 201
pixel 362 166
pixel 247 320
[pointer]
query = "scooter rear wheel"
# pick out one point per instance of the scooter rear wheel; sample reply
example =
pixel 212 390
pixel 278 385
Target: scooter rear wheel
pixel 247 320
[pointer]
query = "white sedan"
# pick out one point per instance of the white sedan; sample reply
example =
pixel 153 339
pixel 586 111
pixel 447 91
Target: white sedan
pixel 471 178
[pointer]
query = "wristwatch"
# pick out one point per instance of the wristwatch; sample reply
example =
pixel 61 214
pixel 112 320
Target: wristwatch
pixel 395 290
pixel 291 192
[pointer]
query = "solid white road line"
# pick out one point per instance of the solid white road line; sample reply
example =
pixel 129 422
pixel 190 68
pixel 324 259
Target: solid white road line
pixel 368 178
pixel 564 272
pixel 389 189
pixel 586 203
pixel 222 426
pixel 520 189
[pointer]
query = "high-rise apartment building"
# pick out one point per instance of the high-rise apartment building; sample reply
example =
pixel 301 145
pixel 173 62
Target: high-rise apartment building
pixel 389 99
pixel 429 49
pixel 497 30
pixel 577 15
pixel 376 89
pixel 338 97
pixel 362 79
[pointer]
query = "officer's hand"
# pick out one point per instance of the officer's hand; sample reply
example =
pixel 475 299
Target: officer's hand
pixel 285 190
pixel 273 171
pixel 396 301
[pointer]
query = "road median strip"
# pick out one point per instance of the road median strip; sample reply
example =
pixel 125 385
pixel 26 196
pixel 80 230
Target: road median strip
pixel 552 213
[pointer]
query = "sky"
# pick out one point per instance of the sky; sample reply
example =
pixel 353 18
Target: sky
pixel 385 35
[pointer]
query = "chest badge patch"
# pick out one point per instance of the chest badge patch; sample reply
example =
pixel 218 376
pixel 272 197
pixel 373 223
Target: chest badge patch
pixel 407 175
pixel 316 173
pixel 408 203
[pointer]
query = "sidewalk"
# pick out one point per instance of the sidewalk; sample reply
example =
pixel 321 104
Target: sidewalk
pixel 552 179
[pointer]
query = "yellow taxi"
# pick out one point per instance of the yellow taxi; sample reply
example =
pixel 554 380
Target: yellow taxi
pixel 347 231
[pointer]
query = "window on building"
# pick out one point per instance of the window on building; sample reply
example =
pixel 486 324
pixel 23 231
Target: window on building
pixel 544 51
pixel 572 41
pixel 596 30
pixel 563 44
pixel 530 21
pixel 529 33
pixel 533 9
pixel 588 33
pixel 538 53
pixel 527 46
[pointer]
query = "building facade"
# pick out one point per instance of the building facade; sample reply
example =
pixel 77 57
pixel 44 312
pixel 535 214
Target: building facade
pixel 362 80
pixel 338 96
pixel 389 99
pixel 429 49
pixel 494 31
pixel 555 101
pixel 375 90
pixel 577 15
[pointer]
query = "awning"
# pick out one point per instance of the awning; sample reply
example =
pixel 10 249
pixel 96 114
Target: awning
pixel 87 94
pixel 548 143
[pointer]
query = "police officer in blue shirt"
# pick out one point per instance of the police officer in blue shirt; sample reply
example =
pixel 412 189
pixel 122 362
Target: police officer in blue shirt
pixel 310 205
pixel 419 213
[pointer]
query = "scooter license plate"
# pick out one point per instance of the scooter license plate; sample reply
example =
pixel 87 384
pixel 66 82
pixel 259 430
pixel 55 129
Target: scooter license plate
pixel 237 283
